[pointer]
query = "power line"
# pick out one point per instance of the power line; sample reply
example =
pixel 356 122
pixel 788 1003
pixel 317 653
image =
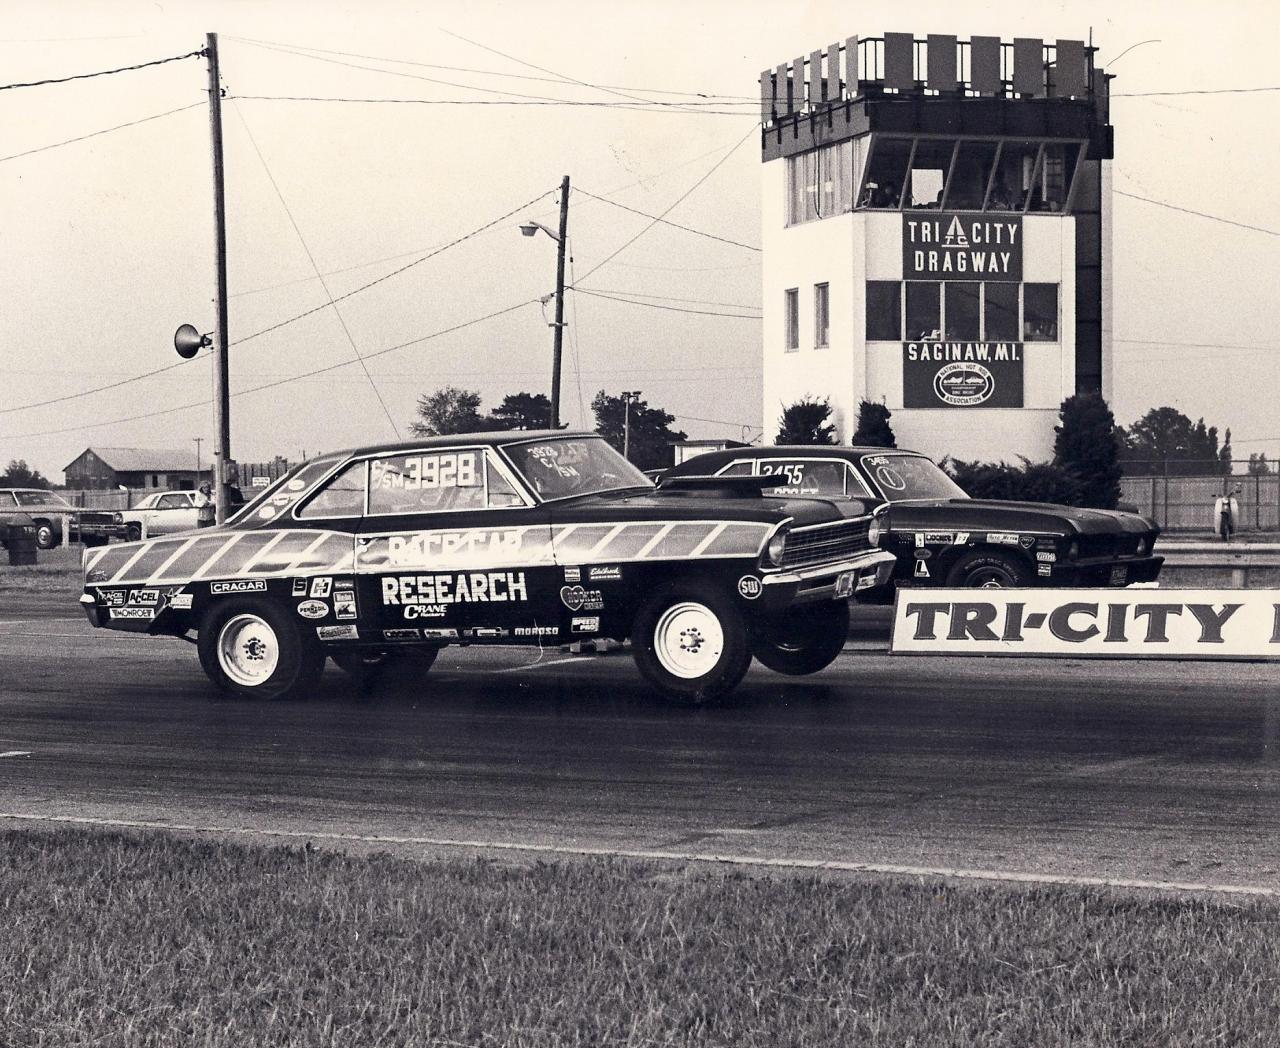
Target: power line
pixel 624 106
pixel 677 225
pixel 104 131
pixel 1203 91
pixel 679 200
pixel 279 382
pixel 104 72
pixel 667 298
pixel 1200 214
pixel 96 389
pixel 494 72
pixel 323 283
pixel 656 305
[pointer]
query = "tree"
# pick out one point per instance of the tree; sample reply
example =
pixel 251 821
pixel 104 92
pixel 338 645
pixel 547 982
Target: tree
pixel 1030 482
pixel 19 475
pixel 448 410
pixel 522 411
pixel 805 422
pixel 1086 445
pixel 1258 464
pixel 1224 456
pixel 1165 439
pixel 873 426
pixel 651 432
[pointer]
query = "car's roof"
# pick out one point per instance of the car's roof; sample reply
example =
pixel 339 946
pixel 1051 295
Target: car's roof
pixel 488 439
pixel 43 491
pixel 795 451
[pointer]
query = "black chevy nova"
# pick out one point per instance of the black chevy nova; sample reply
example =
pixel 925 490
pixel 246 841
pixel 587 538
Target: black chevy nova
pixel 532 538
pixel 944 538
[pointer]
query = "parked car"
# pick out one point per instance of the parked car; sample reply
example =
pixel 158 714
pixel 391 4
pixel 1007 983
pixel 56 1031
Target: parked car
pixel 45 509
pixel 513 538
pixel 161 513
pixel 940 535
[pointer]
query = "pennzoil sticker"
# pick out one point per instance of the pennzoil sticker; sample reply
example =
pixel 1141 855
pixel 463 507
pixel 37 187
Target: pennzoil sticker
pixel 313 609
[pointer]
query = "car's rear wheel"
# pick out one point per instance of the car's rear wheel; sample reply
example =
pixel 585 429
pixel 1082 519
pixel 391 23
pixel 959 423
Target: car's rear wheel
pixel 251 648
pixel 689 641
pixel 989 569
pixel 807 639
pixel 46 537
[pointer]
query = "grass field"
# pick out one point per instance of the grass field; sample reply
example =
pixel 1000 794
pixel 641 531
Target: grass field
pixel 154 940
pixel 55 569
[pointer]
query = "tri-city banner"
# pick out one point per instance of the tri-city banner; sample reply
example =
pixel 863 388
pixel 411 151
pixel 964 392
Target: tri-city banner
pixel 961 247
pixel 1126 623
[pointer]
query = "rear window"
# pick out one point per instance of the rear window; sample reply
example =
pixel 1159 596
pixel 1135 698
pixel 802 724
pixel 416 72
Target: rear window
pixel 811 478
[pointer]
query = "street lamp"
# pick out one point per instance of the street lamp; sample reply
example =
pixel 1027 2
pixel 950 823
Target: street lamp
pixel 629 397
pixel 530 228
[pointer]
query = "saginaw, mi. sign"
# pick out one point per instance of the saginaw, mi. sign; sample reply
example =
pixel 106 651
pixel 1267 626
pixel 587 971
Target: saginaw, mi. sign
pixel 962 374
pixel 961 247
pixel 1136 623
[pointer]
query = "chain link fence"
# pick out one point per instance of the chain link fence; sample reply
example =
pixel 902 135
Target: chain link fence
pixel 1178 502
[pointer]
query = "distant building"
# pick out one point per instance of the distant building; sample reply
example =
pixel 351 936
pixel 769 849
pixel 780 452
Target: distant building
pixel 97 469
pixel 937 236
pixel 687 449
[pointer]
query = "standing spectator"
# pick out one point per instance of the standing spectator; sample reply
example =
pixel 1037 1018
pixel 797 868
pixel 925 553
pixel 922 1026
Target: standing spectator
pixel 1226 510
pixel 204 505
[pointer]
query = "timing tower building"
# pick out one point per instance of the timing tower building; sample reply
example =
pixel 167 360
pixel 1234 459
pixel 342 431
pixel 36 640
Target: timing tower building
pixel 936 237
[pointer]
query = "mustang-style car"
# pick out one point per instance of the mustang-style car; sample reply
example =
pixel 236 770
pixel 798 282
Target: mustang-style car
pixel 940 535
pixel 46 509
pixel 527 537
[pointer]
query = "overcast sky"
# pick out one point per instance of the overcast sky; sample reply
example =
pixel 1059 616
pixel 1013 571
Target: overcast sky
pixel 106 243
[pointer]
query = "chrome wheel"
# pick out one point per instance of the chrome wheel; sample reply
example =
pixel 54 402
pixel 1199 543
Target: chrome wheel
pixel 248 650
pixel 688 640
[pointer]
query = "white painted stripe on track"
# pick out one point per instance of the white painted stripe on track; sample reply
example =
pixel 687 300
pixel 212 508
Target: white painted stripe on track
pixel 536 665
pixel 712 858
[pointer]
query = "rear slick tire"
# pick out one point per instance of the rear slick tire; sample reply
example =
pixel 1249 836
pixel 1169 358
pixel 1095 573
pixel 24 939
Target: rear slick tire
pixel 690 642
pixel 252 649
pixel 806 640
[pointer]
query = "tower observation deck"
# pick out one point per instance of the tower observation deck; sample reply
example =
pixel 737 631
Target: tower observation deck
pixel 936 236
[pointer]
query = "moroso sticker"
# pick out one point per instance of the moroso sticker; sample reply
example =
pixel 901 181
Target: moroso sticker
pixel 131 613
pixel 144 597
pixel 322 586
pixel 438 634
pixel 1001 538
pixel 299 587
pixel 575 598
pixel 573 574
pixel 401 634
pixel 749 587
pixel 535 631
pixel 605 574
pixel 347 632
pixel 180 602
pixel 313 609
pixel 585 624
pixel 239 586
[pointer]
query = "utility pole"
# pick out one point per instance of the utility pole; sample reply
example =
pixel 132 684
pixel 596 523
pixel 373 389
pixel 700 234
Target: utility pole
pixel 629 397
pixel 198 441
pixel 221 371
pixel 559 335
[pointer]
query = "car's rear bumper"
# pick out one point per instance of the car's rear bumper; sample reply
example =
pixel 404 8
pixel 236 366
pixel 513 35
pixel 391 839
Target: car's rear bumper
pixel 803 585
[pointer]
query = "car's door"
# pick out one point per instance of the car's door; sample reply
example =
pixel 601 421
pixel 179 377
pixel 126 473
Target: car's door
pixel 452 548
pixel 164 517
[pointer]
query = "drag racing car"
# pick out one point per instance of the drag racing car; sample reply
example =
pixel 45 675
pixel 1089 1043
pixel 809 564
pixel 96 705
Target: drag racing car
pixel 512 538
pixel 941 536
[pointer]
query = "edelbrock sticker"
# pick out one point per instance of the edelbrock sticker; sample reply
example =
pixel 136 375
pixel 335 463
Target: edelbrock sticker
pixel 345 632
pixel 611 573
pixel 239 586
pixel 313 609
pixel 749 587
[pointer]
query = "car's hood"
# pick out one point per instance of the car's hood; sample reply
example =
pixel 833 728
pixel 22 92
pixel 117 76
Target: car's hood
pixel 997 515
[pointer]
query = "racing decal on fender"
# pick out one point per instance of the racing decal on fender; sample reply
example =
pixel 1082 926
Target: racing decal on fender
pixel 1001 538
pixel 402 634
pixel 337 633
pixel 612 573
pixel 320 587
pixel 939 538
pixel 113 598
pixel 436 634
pixel 575 598
pixel 144 598
pixel 472 587
pixel 573 574
pixel 1134 623
pixel 180 602
pixel 535 631
pixel 585 624
pixel 344 604
pixel 313 609
pixel 299 587
pixel 922 570
pixel 132 613
pixel 217 589
pixel 749 587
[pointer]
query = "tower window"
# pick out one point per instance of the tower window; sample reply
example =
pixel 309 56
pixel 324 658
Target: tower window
pixel 924 310
pixel 1040 313
pixel 884 311
pixel 792 295
pixel 822 182
pixel 1000 312
pixel 821 315
pixel 961 311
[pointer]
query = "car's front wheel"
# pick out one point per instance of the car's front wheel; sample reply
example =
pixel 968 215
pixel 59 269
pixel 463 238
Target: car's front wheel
pixel 690 642
pixel 805 640
pixel 134 532
pixel 989 569
pixel 251 648
pixel 46 537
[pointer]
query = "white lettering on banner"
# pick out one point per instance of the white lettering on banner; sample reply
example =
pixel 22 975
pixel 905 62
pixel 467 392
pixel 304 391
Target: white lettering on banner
pixel 472 587
pixel 1090 622
pixel 964 352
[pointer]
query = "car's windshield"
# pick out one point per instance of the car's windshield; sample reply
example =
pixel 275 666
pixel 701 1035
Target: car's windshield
pixel 902 478
pixel 566 466
pixel 40 498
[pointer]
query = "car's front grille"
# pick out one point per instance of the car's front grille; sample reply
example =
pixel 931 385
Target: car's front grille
pixel 826 542
pixel 1117 544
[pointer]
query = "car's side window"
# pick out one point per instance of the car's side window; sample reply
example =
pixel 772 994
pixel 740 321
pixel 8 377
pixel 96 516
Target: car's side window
pixel 169 502
pixel 737 469
pixel 342 496
pixel 828 478
pixel 444 481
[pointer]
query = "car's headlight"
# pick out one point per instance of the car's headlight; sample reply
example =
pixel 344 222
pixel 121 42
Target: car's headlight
pixel 1142 547
pixel 1073 551
pixel 775 549
pixel 875 530
pixel 117 518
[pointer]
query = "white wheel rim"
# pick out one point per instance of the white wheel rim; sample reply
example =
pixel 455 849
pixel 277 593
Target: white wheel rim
pixel 688 640
pixel 248 650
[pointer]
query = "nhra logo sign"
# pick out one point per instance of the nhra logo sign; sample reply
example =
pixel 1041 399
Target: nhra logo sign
pixel 1134 623
pixel 962 247
pixel 962 374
